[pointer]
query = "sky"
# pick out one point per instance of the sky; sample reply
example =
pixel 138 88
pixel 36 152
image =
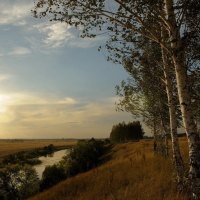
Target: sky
pixel 53 84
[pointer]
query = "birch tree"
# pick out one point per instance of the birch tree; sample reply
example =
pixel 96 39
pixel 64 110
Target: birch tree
pixel 127 18
pixel 145 95
pixel 156 60
pixel 167 68
pixel 179 60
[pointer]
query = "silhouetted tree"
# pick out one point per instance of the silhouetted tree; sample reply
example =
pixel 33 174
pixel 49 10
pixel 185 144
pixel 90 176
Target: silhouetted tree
pixel 126 132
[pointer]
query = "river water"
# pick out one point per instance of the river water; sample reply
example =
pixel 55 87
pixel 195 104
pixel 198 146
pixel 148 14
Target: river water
pixel 49 160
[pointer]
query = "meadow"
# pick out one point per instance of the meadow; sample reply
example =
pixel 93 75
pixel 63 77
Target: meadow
pixel 8 147
pixel 134 172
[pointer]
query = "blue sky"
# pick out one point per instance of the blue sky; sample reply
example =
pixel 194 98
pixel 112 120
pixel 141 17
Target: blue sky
pixel 53 84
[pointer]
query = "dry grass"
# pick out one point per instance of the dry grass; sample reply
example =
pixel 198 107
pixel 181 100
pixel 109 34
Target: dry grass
pixel 134 173
pixel 8 147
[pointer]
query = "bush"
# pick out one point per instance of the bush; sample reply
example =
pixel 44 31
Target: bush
pixel 84 156
pixel 18 182
pixel 125 132
pixel 52 175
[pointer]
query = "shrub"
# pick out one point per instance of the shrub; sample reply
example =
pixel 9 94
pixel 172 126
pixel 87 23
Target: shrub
pixel 18 182
pixel 52 175
pixel 84 156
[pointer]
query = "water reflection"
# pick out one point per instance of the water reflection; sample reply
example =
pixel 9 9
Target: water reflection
pixel 49 160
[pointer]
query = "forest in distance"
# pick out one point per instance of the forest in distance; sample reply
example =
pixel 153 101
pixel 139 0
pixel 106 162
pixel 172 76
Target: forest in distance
pixel 157 42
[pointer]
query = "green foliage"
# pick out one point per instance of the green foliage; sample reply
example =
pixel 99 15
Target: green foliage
pixel 18 182
pixel 84 156
pixel 52 175
pixel 143 94
pixel 125 132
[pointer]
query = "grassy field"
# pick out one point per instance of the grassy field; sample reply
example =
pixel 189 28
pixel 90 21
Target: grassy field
pixel 133 173
pixel 8 147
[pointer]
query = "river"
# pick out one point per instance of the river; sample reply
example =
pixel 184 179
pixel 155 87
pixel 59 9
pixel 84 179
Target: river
pixel 49 160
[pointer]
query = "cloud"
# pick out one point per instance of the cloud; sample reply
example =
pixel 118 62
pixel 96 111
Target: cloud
pixel 40 35
pixel 14 13
pixel 68 100
pixel 4 77
pixel 57 34
pixel 17 99
pixel 19 51
pixel 19 108
pixel 40 116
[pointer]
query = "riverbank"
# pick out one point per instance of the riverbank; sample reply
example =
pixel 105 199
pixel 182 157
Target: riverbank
pixel 45 161
pixel 8 147
pixel 134 172
pixel 31 157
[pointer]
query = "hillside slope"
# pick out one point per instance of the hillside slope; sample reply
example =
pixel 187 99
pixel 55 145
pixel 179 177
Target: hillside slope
pixel 133 173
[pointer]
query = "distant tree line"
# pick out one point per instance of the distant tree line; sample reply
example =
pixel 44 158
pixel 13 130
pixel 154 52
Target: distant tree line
pixel 123 132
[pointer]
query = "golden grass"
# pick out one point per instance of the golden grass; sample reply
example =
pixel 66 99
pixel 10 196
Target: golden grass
pixel 8 147
pixel 133 173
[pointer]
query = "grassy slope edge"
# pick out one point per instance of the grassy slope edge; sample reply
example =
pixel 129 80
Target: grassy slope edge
pixel 134 172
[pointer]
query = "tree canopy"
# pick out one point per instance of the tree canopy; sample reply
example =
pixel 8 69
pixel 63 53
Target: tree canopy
pixel 123 132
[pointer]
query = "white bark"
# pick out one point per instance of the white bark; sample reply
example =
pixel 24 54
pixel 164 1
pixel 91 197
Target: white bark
pixel 178 161
pixel 185 100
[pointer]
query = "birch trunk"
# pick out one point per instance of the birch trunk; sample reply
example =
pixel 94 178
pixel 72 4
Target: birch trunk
pixel 185 100
pixel 165 135
pixel 177 158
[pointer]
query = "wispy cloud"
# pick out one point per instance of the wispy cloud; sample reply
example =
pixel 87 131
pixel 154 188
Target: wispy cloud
pixel 17 99
pixel 16 51
pixel 27 112
pixel 19 51
pixel 4 77
pixel 33 108
pixel 56 34
pixel 41 36
pixel 67 100
pixel 14 13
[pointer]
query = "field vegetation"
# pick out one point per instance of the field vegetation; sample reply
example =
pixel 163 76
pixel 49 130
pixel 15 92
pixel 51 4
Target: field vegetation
pixel 134 172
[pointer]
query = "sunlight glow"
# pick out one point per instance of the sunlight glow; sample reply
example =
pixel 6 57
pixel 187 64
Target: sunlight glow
pixel 3 103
